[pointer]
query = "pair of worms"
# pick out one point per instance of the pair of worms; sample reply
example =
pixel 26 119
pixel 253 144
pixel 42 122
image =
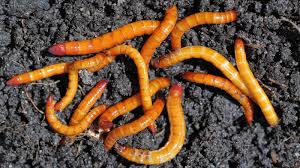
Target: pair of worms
pixel 159 32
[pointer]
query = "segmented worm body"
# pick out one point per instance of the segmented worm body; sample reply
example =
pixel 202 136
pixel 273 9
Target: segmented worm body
pixel 48 71
pixel 258 93
pixel 88 101
pixel 142 75
pixel 136 126
pixel 208 55
pixel 176 138
pixel 94 63
pixel 71 91
pixel 129 104
pixel 159 34
pixel 73 130
pixel 199 19
pixel 225 85
pixel 105 41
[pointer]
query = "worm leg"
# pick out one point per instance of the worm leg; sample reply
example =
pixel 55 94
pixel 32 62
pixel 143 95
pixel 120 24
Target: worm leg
pixel 129 104
pixel 199 19
pixel 176 138
pixel 46 72
pixel 73 130
pixel 105 41
pixel 142 75
pixel 208 55
pixel 159 34
pixel 225 85
pixel 136 126
pixel 252 84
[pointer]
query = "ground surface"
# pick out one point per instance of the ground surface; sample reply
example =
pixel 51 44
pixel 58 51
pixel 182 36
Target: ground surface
pixel 217 135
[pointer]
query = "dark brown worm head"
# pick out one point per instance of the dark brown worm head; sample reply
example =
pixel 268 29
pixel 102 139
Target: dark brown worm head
pixel 50 102
pixel 58 49
pixel 105 124
pixel 119 148
pixel 102 84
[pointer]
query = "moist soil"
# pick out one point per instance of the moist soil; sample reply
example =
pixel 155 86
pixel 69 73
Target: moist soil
pixel 217 134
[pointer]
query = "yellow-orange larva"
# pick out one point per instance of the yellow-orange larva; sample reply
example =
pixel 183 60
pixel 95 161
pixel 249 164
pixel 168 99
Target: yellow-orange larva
pixel 176 138
pixel 129 104
pixel 226 85
pixel 256 91
pixel 71 91
pixel 105 41
pixel 159 34
pixel 199 19
pixel 208 55
pixel 46 72
pixel 72 130
pixel 135 126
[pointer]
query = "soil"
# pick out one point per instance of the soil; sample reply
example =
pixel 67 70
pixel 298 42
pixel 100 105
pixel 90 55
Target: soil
pixel 217 134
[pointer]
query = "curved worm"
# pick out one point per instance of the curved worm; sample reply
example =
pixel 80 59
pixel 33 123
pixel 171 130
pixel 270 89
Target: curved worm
pixel 252 84
pixel 136 126
pixel 225 85
pixel 176 138
pixel 48 71
pixel 129 104
pixel 208 55
pixel 105 41
pixel 199 19
pixel 71 91
pixel 142 74
pixel 159 34
pixel 73 130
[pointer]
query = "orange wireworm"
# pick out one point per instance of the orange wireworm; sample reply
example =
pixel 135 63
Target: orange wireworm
pixel 135 126
pixel 129 104
pixel 105 41
pixel 199 19
pixel 224 84
pixel 258 93
pixel 176 138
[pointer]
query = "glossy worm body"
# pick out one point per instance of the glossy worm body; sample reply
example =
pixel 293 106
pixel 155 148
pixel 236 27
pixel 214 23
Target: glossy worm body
pixel 208 55
pixel 199 19
pixel 258 93
pixel 105 41
pixel 136 126
pixel 142 74
pixel 129 104
pixel 176 138
pixel 94 63
pixel 159 34
pixel 73 130
pixel 225 85
pixel 48 71
pixel 71 91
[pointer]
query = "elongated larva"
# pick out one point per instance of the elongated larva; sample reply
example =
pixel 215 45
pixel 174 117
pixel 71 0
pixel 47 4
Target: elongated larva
pixel 199 19
pixel 224 84
pixel 73 130
pixel 71 91
pixel 136 126
pixel 129 104
pixel 105 41
pixel 258 93
pixel 159 34
pixel 46 72
pixel 176 138
pixel 208 55
pixel 142 74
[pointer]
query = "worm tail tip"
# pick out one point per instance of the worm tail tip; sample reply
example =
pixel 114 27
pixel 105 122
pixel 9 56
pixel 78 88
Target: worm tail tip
pixel 119 148
pixel 152 128
pixel 58 49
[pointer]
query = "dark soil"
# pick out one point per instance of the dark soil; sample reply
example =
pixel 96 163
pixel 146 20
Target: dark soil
pixel 217 134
